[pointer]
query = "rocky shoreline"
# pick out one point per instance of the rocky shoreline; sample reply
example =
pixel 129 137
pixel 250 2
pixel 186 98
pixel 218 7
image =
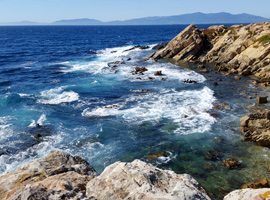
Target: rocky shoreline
pixel 239 50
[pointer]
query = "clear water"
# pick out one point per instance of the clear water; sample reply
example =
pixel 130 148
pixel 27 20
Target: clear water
pixel 60 78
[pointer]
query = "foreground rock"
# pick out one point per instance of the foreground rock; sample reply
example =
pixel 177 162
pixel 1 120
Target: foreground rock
pixel 62 176
pixel 55 163
pixel 240 49
pixel 249 194
pixel 256 127
pixel 138 180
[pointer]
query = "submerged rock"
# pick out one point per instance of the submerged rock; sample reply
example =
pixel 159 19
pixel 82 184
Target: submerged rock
pixel 139 180
pixel 231 163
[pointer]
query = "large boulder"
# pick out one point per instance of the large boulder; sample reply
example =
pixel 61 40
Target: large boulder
pixel 37 170
pixel 139 180
pixel 249 194
pixel 256 127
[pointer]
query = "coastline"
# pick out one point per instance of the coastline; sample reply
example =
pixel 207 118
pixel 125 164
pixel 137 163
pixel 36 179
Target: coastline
pixel 213 78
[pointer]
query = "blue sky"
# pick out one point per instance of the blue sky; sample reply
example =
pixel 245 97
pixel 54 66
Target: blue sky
pixel 108 10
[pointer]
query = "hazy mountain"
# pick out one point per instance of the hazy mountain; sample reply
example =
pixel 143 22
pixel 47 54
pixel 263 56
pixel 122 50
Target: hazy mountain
pixel 193 18
pixel 22 23
pixel 83 21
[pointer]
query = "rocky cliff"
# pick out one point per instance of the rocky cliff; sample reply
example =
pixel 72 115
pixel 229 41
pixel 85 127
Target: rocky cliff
pixel 62 176
pixel 240 49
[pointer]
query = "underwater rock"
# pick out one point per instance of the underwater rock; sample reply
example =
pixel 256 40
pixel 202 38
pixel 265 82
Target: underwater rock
pixel 211 155
pixel 204 71
pixel 231 163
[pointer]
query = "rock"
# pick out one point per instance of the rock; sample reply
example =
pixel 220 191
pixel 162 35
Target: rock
pixel 231 163
pixel 256 184
pixel 249 194
pixel 261 99
pixel 160 46
pixel 186 45
pixel 242 50
pixel 155 156
pixel 249 97
pixel 37 170
pixel 201 66
pixel 237 77
pixel 139 180
pixel 258 126
pixel 224 104
pixel 150 78
pixel 209 167
pixel 37 136
pixel 113 51
pixel 204 71
pixel 129 59
pixel 158 73
pixel 66 185
pixel 211 155
pixel 215 84
pixel 189 81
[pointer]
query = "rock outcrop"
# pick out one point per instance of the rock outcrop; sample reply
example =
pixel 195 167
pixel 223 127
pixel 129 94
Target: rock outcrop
pixel 62 176
pixel 139 180
pixel 256 127
pixel 249 194
pixel 186 45
pixel 239 49
pixel 53 169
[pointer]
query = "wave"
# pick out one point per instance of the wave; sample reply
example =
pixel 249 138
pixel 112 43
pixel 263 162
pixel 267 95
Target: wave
pixel 57 96
pixel 187 109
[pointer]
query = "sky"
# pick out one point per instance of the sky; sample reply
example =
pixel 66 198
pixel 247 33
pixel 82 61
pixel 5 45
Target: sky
pixel 109 10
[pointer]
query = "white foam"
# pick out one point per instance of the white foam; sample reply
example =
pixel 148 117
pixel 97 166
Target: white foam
pixel 57 96
pixel 40 121
pixel 168 105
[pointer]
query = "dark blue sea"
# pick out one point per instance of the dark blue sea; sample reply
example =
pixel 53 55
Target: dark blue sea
pixel 76 82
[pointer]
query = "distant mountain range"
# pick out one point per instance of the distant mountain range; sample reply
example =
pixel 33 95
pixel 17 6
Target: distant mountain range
pixel 193 18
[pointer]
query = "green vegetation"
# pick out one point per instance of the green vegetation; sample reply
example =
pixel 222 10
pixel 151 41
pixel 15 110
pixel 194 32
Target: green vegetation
pixel 263 39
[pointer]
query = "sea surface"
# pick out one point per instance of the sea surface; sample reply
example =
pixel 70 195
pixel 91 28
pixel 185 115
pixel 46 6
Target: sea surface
pixel 76 82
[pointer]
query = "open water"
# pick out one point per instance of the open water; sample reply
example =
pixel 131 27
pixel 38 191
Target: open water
pixel 62 78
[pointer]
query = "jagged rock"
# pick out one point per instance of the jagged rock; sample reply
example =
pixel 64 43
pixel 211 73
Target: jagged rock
pixel 241 49
pixel 249 194
pixel 257 125
pixel 186 45
pixel 231 163
pixel 160 46
pixel 70 185
pixel 261 99
pixel 37 170
pixel 139 180
pixel 256 184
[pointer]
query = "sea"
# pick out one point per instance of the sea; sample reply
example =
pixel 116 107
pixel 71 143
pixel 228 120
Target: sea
pixel 73 89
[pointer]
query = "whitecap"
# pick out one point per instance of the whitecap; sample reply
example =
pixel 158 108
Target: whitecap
pixel 57 96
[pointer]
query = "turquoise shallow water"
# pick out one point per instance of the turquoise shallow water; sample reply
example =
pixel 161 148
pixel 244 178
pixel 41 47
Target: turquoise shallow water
pixel 62 78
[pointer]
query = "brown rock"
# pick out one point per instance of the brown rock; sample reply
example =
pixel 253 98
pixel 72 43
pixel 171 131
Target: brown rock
pixel 237 77
pixel 158 73
pixel 261 99
pixel 231 163
pixel 204 71
pixel 263 183
pixel 211 155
